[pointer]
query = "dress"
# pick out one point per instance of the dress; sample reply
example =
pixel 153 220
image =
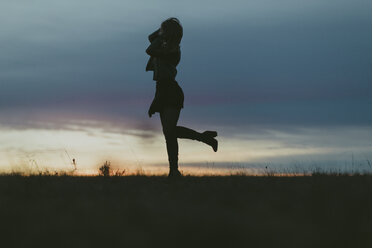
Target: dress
pixel 168 94
pixel 163 62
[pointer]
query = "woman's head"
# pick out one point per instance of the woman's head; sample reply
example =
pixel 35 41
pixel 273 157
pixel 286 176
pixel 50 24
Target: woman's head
pixel 172 30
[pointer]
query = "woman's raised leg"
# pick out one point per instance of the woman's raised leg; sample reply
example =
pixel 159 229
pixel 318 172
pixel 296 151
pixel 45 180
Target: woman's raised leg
pixel 206 137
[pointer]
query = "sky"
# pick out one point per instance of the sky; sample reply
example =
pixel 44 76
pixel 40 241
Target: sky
pixel 283 82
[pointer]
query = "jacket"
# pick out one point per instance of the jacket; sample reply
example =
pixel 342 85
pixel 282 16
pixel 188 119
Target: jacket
pixel 163 62
pixel 163 59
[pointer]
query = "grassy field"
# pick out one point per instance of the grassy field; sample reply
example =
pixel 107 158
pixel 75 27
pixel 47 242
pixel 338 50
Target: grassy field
pixel 141 211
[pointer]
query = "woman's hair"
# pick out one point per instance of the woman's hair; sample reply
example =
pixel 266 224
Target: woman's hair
pixel 173 31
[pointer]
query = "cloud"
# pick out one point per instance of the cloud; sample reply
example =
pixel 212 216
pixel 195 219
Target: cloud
pixel 243 64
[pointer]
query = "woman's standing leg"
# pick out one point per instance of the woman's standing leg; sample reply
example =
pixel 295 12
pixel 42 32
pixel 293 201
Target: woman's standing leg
pixel 169 118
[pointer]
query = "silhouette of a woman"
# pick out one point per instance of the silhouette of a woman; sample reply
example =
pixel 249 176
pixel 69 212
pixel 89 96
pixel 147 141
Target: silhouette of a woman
pixel 165 54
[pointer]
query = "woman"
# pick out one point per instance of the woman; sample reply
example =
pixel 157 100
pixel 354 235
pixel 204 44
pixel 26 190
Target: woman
pixel 165 55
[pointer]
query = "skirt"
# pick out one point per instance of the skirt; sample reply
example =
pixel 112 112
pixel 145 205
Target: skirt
pixel 168 94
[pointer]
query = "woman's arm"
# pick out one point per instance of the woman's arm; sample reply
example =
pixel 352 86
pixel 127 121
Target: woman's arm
pixel 157 49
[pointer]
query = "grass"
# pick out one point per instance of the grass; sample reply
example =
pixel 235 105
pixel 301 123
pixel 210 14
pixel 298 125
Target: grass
pixel 149 211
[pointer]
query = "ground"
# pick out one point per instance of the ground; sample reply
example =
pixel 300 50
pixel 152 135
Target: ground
pixel 145 211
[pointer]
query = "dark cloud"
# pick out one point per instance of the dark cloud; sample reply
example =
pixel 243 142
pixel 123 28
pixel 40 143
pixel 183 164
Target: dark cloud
pixel 242 65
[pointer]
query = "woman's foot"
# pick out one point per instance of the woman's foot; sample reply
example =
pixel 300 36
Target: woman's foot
pixel 208 138
pixel 174 173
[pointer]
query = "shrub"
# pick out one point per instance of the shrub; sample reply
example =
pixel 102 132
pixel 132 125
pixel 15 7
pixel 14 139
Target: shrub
pixel 105 169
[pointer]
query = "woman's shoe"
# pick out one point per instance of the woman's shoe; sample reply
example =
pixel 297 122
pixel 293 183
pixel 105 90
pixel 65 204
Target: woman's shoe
pixel 208 138
pixel 174 173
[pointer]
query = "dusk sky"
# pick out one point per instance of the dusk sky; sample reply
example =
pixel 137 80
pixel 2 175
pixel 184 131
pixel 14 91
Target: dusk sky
pixel 283 82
